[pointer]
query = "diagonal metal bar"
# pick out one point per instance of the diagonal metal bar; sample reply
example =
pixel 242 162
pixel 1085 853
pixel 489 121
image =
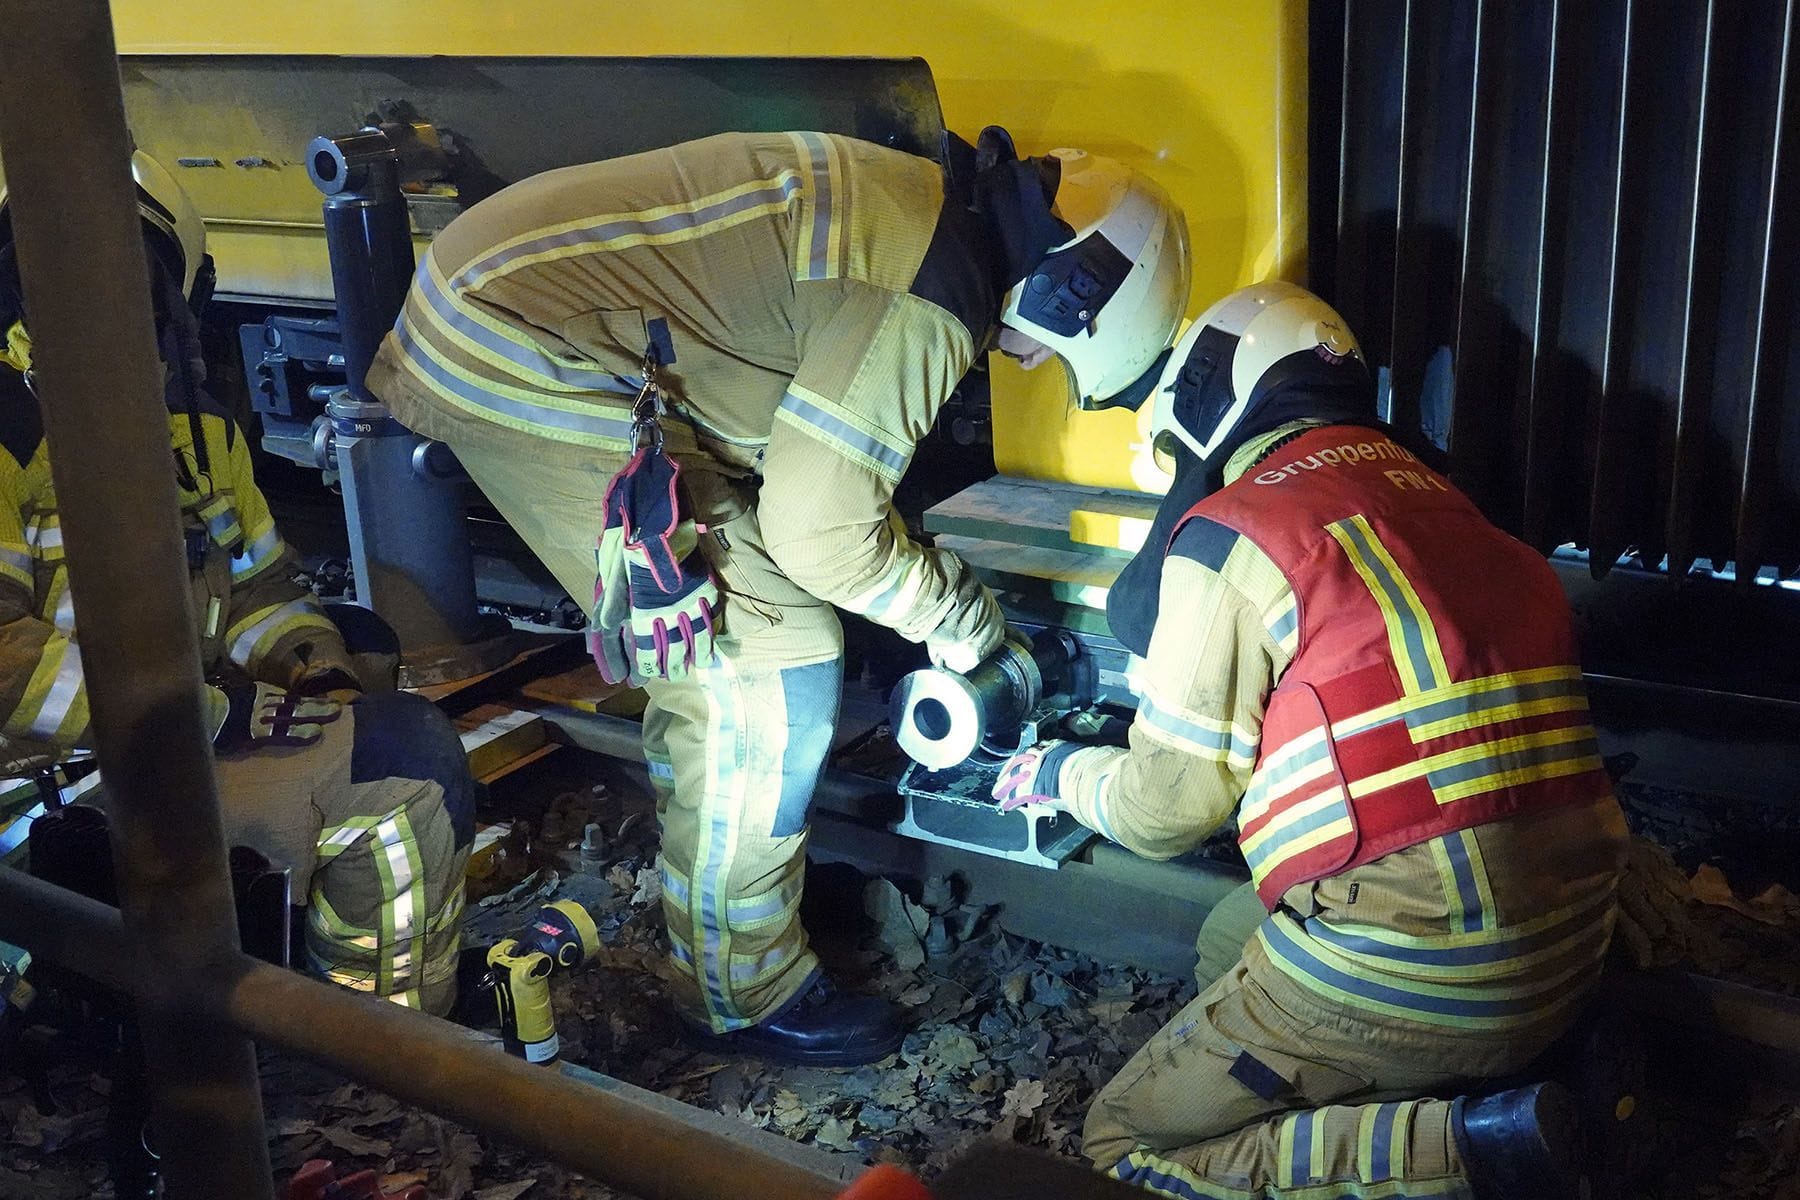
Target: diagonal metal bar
pixel 82 261
pixel 624 1136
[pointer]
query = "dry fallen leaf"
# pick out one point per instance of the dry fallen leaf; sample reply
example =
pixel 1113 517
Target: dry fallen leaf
pixel 835 1134
pixel 506 1191
pixel 1775 905
pixel 900 923
pixel 351 1142
pixel 648 887
pixel 1024 1098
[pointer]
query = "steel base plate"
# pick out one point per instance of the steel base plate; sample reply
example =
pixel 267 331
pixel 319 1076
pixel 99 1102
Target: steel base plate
pixel 954 807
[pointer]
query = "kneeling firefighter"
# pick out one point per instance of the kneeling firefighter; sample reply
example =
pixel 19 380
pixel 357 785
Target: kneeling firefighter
pixel 367 799
pixel 1382 687
pixel 717 360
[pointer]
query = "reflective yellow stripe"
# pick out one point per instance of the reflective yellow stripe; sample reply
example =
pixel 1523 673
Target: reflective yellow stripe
pixel 17 565
pixel 544 388
pixel 43 534
pixel 600 419
pixel 896 590
pixel 1365 1143
pixel 1440 857
pixel 54 707
pixel 1472 687
pixel 1468 754
pixel 1329 798
pixel 1461 1001
pixel 1289 770
pixel 253 635
pixel 475 274
pixel 1520 776
pixel 1412 638
pixel 259 550
pixel 847 432
pixel 1497 714
pixel 1284 1154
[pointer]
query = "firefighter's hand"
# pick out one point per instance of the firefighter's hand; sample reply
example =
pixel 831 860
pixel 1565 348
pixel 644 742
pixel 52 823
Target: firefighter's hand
pixel 972 629
pixel 1655 921
pixel 1030 777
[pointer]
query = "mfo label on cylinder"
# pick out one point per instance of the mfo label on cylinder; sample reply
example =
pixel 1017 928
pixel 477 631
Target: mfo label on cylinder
pixel 364 427
pixel 544 1051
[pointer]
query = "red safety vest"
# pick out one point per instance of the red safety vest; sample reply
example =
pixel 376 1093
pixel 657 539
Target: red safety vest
pixel 1435 686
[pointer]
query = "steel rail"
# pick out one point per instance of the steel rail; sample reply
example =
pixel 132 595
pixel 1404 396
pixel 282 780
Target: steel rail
pixel 84 270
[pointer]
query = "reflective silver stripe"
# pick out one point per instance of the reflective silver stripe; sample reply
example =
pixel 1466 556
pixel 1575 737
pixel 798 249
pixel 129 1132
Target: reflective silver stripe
pixel 44 537
pixel 19 561
pixel 244 645
pixel 334 842
pixel 394 845
pixel 842 431
pixel 615 429
pixel 762 964
pixel 516 351
pixel 770 904
pixel 777 191
pixel 223 524
pixel 64 619
pixel 256 554
pixel 57 702
pixel 819 245
pixel 674 886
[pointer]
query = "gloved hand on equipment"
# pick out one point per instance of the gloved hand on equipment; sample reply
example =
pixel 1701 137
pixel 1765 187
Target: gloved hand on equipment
pixel 971 630
pixel 1655 923
pixel 656 604
pixel 1032 776
pixel 252 716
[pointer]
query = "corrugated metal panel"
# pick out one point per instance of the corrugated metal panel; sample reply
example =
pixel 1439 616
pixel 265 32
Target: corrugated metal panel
pixel 1570 233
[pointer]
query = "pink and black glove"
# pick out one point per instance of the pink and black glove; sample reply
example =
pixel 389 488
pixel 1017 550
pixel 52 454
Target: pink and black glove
pixel 656 604
pixel 1031 777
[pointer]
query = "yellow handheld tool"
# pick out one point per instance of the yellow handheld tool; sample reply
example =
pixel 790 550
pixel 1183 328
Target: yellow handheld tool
pixel 559 935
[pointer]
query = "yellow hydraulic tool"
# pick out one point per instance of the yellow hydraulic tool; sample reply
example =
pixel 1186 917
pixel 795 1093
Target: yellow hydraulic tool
pixel 560 935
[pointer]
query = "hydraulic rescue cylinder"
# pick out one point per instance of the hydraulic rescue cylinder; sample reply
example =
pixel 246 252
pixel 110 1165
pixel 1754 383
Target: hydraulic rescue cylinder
pixel 409 546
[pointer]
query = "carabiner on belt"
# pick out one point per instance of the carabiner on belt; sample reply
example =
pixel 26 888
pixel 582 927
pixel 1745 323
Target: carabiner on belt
pixel 647 410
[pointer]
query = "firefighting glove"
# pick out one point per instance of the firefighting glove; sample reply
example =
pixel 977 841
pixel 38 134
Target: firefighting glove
pixel 971 630
pixel 253 716
pixel 1655 923
pixel 656 604
pixel 1031 776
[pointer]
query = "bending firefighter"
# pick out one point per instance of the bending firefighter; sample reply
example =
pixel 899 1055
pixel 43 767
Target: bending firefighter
pixel 1382 688
pixel 367 800
pixel 775 319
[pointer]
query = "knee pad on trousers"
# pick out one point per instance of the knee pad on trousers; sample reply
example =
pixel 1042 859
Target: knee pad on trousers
pixel 400 735
pixel 373 645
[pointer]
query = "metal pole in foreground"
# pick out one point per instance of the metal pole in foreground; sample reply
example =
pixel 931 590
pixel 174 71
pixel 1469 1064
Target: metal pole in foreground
pixel 606 1129
pixel 82 260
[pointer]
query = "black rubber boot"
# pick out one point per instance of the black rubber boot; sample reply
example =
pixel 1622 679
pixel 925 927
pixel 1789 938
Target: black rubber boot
pixel 1607 1073
pixel 822 1027
pixel 1524 1144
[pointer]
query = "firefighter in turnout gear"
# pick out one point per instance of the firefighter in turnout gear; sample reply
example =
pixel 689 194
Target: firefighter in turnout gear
pixel 1382 689
pixel 789 311
pixel 367 800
